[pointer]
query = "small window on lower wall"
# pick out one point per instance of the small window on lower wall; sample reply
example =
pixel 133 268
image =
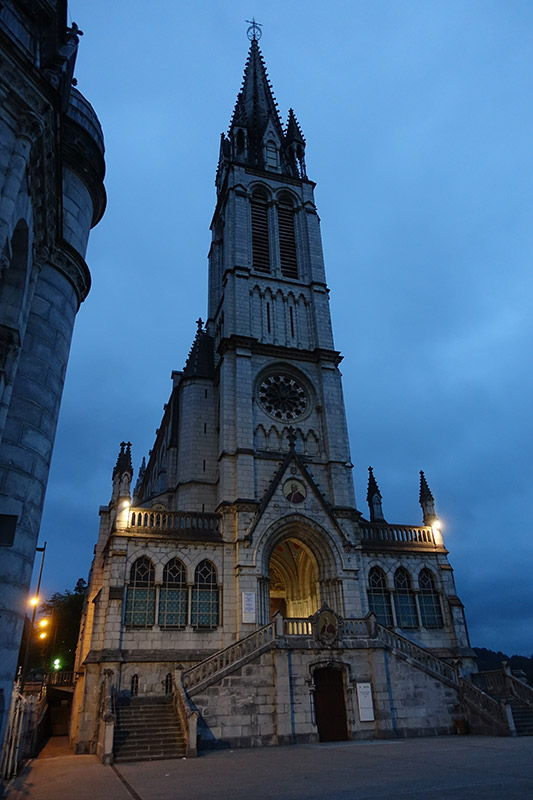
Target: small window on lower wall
pixel 379 596
pixel 429 601
pixel 205 596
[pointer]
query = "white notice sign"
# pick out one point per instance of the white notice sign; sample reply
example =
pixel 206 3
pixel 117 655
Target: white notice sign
pixel 365 703
pixel 248 606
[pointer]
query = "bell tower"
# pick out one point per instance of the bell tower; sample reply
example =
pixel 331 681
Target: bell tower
pixel 269 306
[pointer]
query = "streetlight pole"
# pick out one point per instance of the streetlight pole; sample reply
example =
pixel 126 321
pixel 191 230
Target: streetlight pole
pixel 41 550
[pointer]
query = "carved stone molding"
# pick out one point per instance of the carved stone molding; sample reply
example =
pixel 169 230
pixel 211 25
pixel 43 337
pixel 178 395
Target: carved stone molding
pixel 30 126
pixel 68 261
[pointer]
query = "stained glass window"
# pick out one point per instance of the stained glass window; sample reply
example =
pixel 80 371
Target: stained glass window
pixel 140 596
pixel 173 596
pixel 404 600
pixel 205 596
pixel 378 596
pixel 429 601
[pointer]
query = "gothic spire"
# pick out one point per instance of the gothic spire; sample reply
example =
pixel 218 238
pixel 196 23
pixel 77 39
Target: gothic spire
pixel 255 105
pixel 427 501
pixel 373 498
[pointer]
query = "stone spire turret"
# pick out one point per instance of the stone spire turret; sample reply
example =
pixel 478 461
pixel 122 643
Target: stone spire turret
pixel 122 474
pixel 374 498
pixel 427 501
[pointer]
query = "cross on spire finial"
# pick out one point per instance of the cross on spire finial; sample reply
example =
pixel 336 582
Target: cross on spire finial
pixel 254 32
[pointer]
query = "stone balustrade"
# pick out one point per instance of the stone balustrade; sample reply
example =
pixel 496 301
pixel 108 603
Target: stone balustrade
pixel 185 522
pixel 402 535
pixel 418 654
pixel 226 658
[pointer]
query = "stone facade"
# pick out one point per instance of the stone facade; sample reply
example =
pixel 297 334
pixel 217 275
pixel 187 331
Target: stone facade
pixel 51 172
pixel 245 511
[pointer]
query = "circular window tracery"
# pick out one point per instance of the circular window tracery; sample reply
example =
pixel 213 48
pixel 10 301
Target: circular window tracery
pixel 283 397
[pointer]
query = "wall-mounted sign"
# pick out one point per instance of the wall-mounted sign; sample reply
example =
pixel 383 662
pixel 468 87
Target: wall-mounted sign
pixel 365 702
pixel 248 606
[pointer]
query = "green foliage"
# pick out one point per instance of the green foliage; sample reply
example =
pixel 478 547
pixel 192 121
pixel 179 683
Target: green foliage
pixel 63 609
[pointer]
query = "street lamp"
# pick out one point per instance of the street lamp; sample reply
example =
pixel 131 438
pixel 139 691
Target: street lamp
pixel 33 602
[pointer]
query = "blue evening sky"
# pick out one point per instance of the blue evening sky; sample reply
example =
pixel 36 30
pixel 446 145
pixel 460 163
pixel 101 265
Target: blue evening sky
pixel 419 122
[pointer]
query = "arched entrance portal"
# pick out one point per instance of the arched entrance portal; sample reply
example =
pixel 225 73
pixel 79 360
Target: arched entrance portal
pixel 330 705
pixel 294 588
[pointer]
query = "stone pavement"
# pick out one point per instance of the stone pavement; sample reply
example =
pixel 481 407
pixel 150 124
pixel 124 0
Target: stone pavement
pixel 442 768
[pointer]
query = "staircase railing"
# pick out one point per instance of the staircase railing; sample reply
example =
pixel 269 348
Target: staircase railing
pixel 187 716
pixel 226 658
pixel 494 710
pixel 420 656
pixel 502 683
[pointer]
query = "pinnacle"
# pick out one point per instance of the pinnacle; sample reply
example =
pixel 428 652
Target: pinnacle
pixel 123 460
pixel 425 491
pixel 373 487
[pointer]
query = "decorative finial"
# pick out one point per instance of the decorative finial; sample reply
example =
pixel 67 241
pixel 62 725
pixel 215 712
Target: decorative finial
pixel 254 32
pixel 199 325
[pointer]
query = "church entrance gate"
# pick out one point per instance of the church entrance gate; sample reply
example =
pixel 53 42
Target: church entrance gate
pixel 330 705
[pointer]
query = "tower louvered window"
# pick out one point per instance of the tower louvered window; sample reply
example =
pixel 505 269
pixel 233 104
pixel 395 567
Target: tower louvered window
pixel 173 596
pixel 140 597
pixel 260 244
pixel 287 238
pixel 204 601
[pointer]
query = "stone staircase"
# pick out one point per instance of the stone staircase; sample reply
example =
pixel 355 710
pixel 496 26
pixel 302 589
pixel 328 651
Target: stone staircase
pixel 522 716
pixel 147 729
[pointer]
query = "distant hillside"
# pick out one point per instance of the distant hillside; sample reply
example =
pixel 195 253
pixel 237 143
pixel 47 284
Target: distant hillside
pixel 488 659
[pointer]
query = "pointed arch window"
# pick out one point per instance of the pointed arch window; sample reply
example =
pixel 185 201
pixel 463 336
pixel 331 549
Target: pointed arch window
pixel 404 601
pixel 205 596
pixel 140 597
pixel 173 596
pixel 287 237
pixel 429 601
pixel 260 237
pixel 379 597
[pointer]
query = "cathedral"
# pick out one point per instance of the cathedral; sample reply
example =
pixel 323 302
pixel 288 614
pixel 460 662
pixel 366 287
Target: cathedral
pixel 236 579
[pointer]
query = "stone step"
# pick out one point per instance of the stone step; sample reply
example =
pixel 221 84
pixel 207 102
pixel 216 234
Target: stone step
pixel 147 729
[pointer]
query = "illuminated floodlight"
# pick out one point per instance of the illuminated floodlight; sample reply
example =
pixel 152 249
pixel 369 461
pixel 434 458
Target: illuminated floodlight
pixel 57 663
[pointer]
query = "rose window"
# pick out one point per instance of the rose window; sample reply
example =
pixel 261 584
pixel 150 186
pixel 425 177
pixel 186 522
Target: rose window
pixel 283 397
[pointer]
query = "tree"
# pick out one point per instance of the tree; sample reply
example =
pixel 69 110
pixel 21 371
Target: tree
pixel 63 610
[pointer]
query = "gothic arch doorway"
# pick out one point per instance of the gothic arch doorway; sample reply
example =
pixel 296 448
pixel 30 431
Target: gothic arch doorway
pixel 330 704
pixel 294 583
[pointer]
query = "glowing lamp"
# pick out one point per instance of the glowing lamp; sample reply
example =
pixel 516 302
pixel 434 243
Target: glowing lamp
pixel 56 663
pixel 437 525
pixel 34 601
pixel 126 504
pixel 43 623
pixel 42 635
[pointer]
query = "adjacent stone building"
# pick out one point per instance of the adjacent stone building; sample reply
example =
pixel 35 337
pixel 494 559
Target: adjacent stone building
pixel 240 558
pixel 51 194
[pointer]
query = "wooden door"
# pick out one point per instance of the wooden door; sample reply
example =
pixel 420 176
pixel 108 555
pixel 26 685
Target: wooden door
pixel 330 705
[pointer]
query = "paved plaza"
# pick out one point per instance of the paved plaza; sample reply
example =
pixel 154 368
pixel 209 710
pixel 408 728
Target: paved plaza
pixel 443 768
